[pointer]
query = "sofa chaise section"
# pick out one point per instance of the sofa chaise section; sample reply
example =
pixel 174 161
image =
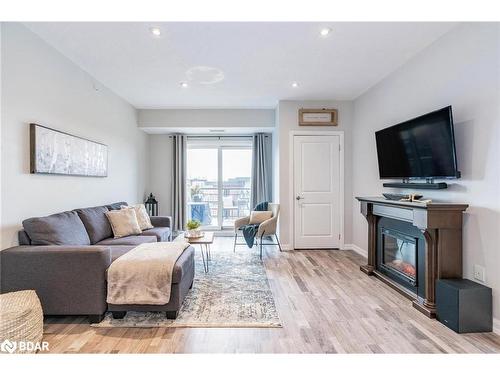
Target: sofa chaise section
pixel 64 257
pixel 182 281
pixel 69 280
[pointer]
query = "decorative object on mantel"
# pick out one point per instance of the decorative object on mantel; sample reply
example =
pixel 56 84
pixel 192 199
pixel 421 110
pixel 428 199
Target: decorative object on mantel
pixel 151 205
pixel 56 152
pixel 416 198
pixel 433 231
pixel 318 117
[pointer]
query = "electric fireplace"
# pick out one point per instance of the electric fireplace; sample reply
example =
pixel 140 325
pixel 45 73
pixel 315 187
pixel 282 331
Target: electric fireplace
pixel 411 245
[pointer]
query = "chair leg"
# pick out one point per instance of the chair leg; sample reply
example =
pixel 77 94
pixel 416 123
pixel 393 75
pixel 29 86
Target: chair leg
pixel 277 240
pixel 261 245
pixel 235 238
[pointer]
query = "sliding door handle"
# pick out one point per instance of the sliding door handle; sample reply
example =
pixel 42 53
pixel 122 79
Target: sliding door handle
pixel 298 197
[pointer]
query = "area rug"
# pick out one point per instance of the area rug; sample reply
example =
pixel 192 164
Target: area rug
pixel 235 293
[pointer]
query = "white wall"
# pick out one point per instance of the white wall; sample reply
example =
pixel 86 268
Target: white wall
pixel 40 85
pixel 287 115
pixel 198 120
pixel 461 69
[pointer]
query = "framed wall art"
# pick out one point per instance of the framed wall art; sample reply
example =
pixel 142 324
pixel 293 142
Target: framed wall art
pixel 318 117
pixel 55 152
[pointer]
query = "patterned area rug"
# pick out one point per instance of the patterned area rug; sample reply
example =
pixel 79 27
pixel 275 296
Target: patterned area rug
pixel 235 293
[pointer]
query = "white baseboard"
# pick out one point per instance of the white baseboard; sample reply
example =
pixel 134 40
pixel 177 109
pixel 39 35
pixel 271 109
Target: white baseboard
pixel 347 246
pixel 356 249
pixel 496 326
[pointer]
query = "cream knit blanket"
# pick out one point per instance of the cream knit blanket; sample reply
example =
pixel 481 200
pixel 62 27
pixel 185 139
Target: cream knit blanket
pixel 143 276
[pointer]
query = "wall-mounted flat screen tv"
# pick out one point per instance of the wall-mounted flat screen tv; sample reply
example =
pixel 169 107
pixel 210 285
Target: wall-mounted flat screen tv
pixel 421 148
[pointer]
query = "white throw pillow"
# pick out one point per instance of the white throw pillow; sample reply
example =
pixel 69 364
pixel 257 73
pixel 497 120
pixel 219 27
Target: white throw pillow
pixel 257 217
pixel 123 222
pixel 142 216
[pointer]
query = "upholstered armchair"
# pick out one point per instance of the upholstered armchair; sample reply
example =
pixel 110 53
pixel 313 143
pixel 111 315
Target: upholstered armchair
pixel 266 228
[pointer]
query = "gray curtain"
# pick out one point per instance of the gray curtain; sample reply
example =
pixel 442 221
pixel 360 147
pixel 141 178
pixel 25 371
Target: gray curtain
pixel 179 181
pixel 262 175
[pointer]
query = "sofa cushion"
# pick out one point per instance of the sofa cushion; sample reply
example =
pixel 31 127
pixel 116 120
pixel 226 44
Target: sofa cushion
pixel 182 266
pixel 116 206
pixel 130 240
pixel 123 222
pixel 162 234
pixel 64 228
pixel 142 216
pixel 96 222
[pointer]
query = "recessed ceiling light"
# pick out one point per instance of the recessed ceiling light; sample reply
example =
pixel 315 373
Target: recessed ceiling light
pixel 184 85
pixel 325 31
pixel 155 31
pixel 295 84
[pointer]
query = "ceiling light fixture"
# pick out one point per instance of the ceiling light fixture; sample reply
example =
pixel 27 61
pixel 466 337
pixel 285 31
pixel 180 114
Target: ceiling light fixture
pixel 204 75
pixel 184 85
pixel 295 84
pixel 155 31
pixel 325 31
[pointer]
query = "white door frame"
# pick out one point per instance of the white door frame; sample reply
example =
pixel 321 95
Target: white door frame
pixel 291 151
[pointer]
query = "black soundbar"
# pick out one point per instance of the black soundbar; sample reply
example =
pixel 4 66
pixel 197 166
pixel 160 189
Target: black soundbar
pixel 417 185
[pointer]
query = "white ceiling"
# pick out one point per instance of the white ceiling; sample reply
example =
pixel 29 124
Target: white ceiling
pixel 259 60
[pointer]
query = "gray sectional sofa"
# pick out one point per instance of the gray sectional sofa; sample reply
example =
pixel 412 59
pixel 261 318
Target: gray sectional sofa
pixel 64 257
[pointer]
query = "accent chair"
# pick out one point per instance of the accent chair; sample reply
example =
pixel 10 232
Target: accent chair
pixel 266 228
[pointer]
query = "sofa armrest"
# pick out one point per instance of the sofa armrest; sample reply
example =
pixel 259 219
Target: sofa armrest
pixel 69 280
pixel 161 221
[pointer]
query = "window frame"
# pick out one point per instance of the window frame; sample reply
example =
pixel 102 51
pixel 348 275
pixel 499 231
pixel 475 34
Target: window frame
pixel 219 143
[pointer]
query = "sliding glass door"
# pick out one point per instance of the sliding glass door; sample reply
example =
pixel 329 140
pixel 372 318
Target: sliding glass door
pixel 218 180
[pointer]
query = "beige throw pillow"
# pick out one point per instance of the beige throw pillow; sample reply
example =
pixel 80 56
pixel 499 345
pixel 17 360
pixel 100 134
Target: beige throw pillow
pixel 142 216
pixel 257 217
pixel 123 222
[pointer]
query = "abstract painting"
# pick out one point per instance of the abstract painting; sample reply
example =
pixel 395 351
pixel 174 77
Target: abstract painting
pixel 56 152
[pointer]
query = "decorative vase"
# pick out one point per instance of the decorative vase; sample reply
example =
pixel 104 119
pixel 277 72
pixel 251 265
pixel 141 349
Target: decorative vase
pixel 194 233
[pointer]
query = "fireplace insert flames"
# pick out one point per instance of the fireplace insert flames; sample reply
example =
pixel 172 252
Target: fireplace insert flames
pixel 399 255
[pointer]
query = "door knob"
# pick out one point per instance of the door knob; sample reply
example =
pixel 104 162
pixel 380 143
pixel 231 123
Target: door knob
pixel 298 197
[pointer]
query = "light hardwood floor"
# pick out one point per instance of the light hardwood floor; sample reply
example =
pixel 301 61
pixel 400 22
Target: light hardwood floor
pixel 326 306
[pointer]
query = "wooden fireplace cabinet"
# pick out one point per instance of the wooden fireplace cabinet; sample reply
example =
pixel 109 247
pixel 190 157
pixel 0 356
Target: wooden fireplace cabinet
pixel 441 226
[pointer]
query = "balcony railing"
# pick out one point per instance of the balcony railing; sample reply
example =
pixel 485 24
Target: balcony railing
pixel 204 205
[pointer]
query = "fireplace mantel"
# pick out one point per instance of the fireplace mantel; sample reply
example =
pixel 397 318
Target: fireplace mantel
pixel 441 226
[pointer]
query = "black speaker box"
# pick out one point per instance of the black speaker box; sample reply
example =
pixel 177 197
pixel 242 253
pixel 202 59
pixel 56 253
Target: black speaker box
pixel 464 306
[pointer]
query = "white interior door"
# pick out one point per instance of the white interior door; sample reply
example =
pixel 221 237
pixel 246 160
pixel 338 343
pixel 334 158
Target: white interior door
pixel 317 192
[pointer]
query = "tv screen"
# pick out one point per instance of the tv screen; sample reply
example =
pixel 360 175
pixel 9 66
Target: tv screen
pixel 423 147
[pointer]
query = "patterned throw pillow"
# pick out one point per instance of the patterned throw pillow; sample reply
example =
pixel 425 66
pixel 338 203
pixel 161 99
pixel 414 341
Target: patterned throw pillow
pixel 123 222
pixel 257 217
pixel 142 216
